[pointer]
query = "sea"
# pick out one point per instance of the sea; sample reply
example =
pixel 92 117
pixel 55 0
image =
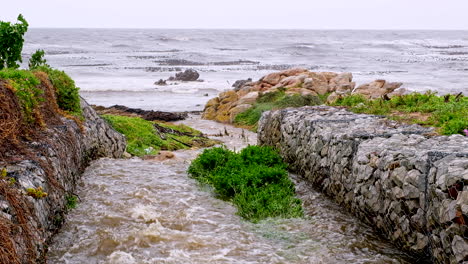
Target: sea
pixel 120 66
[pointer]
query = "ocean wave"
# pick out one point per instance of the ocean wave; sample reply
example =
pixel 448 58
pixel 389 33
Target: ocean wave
pixel 231 49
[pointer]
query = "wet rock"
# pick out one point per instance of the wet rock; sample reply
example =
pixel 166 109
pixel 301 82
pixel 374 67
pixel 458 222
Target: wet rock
pixel 240 83
pixel 161 82
pixel 145 114
pixel 188 75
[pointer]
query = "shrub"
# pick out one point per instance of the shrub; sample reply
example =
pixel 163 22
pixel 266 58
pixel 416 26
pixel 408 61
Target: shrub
pixel 37 60
pixel 68 98
pixel 11 42
pixel 255 180
pixel 24 84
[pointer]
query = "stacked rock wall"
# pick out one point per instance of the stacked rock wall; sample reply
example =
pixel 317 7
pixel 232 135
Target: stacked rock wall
pixel 54 164
pixel 410 186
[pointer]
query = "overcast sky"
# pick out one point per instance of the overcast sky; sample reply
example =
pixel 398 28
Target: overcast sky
pixel 301 14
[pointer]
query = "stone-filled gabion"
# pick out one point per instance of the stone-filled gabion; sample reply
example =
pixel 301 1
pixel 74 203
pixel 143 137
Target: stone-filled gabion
pixel 409 185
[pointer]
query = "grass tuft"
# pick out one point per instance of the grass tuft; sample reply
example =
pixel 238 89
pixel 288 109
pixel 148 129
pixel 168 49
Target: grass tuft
pixel 271 101
pixel 448 114
pixel 255 180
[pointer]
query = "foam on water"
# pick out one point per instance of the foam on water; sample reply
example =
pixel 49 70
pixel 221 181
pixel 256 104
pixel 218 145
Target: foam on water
pixel 132 60
pixel 136 211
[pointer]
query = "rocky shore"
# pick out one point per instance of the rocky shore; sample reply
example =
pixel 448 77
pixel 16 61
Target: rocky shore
pixel 407 184
pixel 43 176
pixel 228 104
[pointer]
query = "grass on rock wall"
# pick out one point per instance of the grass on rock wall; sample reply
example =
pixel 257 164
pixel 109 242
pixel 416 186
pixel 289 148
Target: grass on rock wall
pixel 25 87
pixel 68 98
pixel 271 101
pixel 147 137
pixel 255 180
pixel 448 114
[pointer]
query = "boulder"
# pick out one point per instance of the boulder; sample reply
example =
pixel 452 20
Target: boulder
pixel 249 98
pixel 272 78
pixel 160 82
pixel 240 83
pixel 340 80
pixel 292 81
pixel 376 89
pixel 237 110
pixel 189 75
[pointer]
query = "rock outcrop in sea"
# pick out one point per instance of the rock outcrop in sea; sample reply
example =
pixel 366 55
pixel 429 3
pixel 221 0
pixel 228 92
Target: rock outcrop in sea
pixel 409 185
pixel 294 81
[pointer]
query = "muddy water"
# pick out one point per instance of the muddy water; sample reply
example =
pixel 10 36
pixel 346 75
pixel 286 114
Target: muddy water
pixel 135 211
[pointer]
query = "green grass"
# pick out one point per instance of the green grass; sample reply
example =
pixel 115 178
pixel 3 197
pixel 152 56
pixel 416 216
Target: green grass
pixel 271 101
pixel 71 201
pixel 24 84
pixel 143 139
pixel 448 116
pixel 141 135
pixel 68 98
pixel 255 180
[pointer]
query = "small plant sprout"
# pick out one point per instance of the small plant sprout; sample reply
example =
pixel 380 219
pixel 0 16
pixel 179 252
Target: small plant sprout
pixel 36 193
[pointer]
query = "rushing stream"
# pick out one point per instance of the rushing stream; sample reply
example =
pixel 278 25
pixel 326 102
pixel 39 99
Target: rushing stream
pixel 141 211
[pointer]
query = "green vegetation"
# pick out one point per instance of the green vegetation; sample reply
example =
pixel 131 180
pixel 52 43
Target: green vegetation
pixel 147 138
pixel 271 101
pixel 255 180
pixel 36 193
pixel 37 60
pixel 68 98
pixel 447 113
pixel 24 84
pixel 11 42
pixel 71 201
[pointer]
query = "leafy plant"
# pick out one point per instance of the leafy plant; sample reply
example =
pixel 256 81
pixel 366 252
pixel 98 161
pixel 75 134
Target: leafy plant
pixel 37 60
pixel 255 180
pixel 11 42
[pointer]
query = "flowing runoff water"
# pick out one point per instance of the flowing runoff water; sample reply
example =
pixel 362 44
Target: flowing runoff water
pixel 139 211
pixel 136 211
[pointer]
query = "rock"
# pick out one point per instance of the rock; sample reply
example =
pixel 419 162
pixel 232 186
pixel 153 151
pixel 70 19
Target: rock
pixel 460 248
pixel 240 83
pixel 409 187
pixel 340 80
pixel 249 98
pixel 237 110
pixel 145 114
pixel 67 147
pixel 333 97
pixel 272 78
pixel 292 81
pixel 376 89
pixel 228 97
pixel 127 155
pixel 161 82
pixel 189 75
pixel 398 92
pixel 317 82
